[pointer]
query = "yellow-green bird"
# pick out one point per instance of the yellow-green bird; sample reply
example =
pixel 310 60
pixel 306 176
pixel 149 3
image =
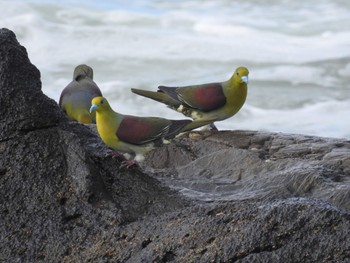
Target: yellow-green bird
pixel 75 99
pixel 205 103
pixel 132 134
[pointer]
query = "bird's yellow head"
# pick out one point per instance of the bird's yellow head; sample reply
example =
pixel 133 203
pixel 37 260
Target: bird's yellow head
pixel 240 75
pixel 99 104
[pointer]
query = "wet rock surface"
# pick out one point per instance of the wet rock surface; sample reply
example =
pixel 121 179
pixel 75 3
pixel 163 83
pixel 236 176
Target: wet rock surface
pixel 229 196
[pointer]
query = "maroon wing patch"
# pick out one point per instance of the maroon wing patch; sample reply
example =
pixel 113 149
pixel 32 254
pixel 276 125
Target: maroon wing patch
pixel 136 130
pixel 203 97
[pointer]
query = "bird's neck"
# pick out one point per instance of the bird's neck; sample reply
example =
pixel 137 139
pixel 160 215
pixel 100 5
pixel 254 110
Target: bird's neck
pixel 237 94
pixel 107 124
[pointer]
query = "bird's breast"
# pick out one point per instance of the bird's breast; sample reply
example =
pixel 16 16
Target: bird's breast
pixel 107 130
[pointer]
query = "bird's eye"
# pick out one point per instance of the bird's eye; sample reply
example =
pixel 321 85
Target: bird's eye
pixel 101 102
pixel 237 73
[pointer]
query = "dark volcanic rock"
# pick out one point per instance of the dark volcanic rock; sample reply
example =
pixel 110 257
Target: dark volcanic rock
pixel 59 187
pixel 248 196
pixel 22 102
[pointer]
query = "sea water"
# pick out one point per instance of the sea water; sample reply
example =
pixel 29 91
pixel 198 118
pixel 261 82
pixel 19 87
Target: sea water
pixel 297 52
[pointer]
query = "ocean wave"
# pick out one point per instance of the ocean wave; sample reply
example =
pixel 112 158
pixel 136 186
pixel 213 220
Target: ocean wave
pixel 298 54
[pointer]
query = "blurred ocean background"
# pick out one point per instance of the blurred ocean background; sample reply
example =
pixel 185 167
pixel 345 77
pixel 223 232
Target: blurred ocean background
pixel 297 52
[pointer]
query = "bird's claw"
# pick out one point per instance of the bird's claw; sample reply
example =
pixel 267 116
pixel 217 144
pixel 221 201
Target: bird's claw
pixel 118 155
pixel 127 164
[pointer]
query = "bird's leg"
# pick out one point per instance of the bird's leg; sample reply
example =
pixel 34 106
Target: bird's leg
pixel 209 127
pixel 213 127
pixel 131 162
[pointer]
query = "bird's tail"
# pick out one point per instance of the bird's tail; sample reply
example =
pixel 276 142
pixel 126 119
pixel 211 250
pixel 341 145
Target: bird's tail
pixel 158 96
pixel 176 127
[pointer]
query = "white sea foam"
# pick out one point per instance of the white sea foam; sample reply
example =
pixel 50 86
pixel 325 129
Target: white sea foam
pixel 328 118
pixel 298 54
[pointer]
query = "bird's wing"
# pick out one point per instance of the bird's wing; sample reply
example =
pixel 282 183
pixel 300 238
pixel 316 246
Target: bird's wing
pixel 204 97
pixel 141 130
pixel 67 93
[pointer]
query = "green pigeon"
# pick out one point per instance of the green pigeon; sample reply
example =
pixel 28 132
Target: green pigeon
pixel 132 134
pixel 75 99
pixel 205 103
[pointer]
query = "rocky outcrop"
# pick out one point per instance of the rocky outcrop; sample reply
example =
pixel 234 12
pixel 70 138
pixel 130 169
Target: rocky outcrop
pixel 231 196
pixel 241 165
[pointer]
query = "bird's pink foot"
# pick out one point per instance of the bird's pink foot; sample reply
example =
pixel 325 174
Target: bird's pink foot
pixel 128 163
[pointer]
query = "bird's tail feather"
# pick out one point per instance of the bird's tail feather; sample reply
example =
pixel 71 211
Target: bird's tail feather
pixel 176 127
pixel 158 96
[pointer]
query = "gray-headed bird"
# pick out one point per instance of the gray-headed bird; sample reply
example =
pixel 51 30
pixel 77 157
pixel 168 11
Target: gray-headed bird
pixel 75 99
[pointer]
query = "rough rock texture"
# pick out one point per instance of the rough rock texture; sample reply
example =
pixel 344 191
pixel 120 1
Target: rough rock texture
pixel 206 197
pixel 241 165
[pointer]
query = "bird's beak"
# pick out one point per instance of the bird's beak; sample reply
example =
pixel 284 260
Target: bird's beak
pixel 245 79
pixel 93 108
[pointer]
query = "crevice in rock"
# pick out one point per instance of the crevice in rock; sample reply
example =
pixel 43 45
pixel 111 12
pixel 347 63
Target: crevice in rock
pixel 145 243
pixel 256 250
pixel 169 256
pixel 72 217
